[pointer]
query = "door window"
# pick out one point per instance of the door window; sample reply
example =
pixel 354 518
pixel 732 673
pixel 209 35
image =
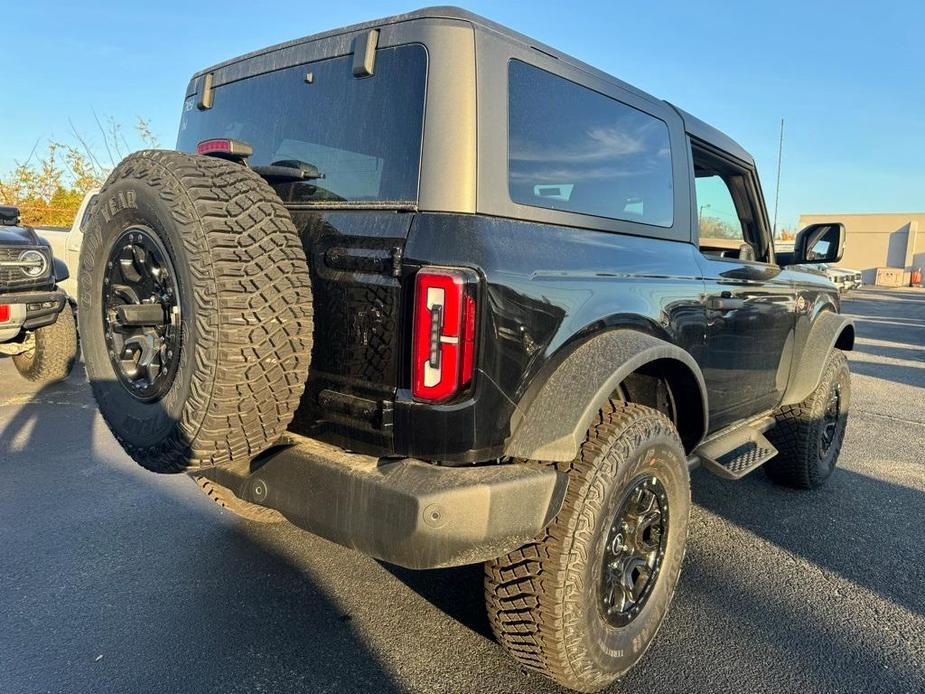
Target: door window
pixel 717 217
pixel 728 218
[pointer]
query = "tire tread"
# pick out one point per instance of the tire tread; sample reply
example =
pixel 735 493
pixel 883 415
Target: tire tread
pixel 252 302
pixel 795 433
pixel 528 591
pixel 55 351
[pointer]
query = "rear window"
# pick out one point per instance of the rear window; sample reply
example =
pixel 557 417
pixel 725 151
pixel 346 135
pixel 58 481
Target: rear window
pixel 573 149
pixel 364 135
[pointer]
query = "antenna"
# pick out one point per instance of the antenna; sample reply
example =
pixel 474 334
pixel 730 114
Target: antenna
pixel 780 151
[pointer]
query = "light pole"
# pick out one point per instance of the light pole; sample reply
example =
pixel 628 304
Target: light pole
pixel 700 213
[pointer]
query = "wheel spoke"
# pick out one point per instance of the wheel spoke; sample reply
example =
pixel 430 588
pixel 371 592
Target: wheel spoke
pixel 141 312
pixel 129 271
pixel 140 258
pixel 632 555
pixel 625 594
pixel 125 292
pixel 831 416
pixel 636 585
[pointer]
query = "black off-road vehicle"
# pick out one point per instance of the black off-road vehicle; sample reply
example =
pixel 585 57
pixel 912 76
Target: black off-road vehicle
pixel 37 325
pixel 437 292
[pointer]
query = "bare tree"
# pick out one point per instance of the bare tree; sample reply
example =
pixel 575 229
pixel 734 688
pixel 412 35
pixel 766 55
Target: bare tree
pixel 48 189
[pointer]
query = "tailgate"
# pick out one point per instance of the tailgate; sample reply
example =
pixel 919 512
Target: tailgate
pixel 354 259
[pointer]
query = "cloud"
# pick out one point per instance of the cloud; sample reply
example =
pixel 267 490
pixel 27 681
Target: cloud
pixel 595 144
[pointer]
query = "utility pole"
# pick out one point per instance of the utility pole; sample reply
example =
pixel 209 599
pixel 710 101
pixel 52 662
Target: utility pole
pixel 780 151
pixel 700 214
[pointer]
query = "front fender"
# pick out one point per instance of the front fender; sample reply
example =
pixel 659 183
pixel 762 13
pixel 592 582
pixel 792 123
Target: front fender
pixel 554 425
pixel 828 331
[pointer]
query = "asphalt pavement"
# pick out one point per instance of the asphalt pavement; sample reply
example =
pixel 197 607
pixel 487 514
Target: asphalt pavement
pixel 113 579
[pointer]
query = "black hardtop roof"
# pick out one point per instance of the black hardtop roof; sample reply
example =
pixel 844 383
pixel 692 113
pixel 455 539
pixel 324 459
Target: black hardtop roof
pixel 694 126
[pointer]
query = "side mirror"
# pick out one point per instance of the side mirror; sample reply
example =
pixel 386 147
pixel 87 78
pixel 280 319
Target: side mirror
pixel 9 216
pixel 819 243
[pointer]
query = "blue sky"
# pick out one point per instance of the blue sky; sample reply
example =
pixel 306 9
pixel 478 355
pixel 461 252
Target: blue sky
pixel 849 78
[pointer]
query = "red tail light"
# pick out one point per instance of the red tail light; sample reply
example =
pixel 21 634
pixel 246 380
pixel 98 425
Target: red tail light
pixel 224 147
pixel 443 350
pixel 4 313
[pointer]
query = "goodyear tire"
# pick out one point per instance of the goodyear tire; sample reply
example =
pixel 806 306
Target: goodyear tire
pixel 582 604
pixel 810 434
pixel 195 311
pixel 54 351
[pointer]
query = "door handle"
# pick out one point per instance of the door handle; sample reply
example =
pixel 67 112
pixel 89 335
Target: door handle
pixel 724 303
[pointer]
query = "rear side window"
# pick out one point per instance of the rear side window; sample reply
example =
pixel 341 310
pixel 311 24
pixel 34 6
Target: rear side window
pixel 364 135
pixel 573 149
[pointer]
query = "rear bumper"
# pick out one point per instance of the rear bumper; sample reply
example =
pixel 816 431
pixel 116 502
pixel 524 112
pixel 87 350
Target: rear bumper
pixel 405 512
pixel 30 310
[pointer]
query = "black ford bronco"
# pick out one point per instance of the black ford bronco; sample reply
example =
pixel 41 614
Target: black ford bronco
pixel 37 325
pixel 440 293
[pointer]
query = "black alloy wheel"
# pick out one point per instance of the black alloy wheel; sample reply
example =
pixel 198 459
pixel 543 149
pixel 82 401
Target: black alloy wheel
pixel 831 420
pixel 141 314
pixel 633 551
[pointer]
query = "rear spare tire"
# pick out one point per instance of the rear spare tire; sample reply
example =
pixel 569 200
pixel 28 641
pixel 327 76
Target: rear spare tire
pixel 195 310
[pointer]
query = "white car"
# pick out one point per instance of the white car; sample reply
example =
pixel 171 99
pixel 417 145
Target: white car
pixel 843 278
pixel 66 245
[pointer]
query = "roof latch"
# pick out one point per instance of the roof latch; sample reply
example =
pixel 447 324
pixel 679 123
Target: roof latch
pixel 205 92
pixel 364 53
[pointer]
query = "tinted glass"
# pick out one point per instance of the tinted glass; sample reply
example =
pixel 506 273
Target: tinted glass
pixel 573 149
pixel 364 135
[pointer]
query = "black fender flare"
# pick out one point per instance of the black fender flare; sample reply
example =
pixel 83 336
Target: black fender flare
pixel 555 422
pixel 830 330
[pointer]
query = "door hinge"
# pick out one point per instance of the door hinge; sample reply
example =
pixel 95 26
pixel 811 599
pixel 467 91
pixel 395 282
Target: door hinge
pixel 397 253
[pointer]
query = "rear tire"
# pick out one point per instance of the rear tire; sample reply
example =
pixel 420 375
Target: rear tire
pixel 809 435
pixel 552 603
pixel 55 351
pixel 214 376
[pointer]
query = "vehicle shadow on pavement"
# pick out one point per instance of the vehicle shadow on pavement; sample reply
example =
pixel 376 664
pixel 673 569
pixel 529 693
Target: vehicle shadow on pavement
pixel 458 592
pixel 863 529
pixel 115 579
pixel 31 430
pixel 724 616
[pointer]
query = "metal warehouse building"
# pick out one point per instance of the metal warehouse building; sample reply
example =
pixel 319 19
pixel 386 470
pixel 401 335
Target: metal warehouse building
pixel 895 239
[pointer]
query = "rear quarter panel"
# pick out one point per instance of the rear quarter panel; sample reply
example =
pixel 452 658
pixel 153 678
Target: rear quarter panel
pixel 547 288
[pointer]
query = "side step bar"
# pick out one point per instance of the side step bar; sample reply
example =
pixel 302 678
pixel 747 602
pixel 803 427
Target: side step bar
pixel 734 452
